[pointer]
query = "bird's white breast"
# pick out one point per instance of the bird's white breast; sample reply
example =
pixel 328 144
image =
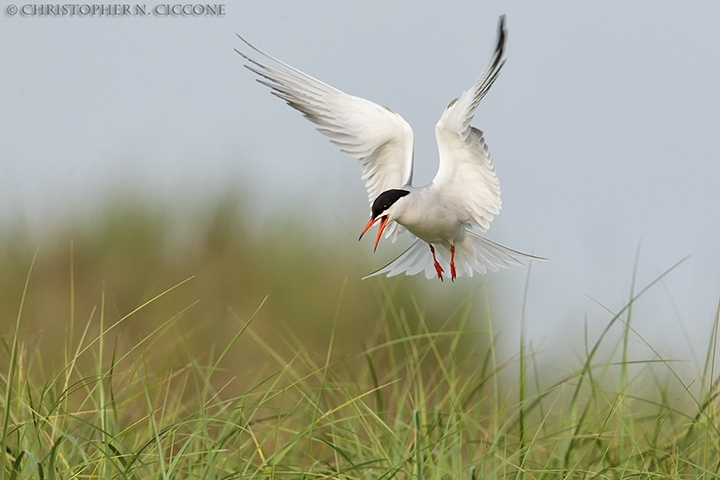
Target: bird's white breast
pixel 428 219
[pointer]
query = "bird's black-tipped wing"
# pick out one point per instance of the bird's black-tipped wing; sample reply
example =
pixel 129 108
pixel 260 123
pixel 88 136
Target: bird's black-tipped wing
pixel 466 180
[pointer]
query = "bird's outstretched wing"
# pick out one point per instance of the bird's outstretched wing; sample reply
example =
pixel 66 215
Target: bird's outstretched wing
pixel 378 137
pixel 466 180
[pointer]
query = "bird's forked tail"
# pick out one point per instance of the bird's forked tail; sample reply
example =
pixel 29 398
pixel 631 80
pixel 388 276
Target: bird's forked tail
pixel 473 254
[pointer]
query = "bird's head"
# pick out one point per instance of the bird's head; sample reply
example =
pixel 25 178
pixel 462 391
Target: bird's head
pixel 382 210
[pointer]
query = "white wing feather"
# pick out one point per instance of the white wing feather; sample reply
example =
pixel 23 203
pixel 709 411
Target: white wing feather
pixel 378 137
pixel 466 180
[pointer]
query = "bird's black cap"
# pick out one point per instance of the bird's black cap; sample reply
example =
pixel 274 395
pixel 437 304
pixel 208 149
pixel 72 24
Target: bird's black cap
pixel 385 200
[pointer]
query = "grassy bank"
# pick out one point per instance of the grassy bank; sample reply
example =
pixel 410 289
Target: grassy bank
pixel 128 354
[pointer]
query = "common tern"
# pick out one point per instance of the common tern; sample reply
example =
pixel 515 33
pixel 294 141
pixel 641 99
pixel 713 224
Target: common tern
pixel 464 194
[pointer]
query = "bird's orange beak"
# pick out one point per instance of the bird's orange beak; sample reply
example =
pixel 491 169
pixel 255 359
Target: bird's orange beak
pixel 383 223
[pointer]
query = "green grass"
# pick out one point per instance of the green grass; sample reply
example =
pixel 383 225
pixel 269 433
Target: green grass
pixel 176 386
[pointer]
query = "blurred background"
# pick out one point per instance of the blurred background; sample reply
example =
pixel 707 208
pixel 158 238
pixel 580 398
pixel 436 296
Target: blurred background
pixel 149 155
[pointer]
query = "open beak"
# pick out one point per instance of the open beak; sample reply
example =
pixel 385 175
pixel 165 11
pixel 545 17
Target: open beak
pixel 383 223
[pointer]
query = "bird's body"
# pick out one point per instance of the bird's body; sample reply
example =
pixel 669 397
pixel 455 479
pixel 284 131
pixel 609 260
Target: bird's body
pixel 464 195
pixel 427 218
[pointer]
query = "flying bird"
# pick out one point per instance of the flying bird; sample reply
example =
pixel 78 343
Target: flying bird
pixel 463 197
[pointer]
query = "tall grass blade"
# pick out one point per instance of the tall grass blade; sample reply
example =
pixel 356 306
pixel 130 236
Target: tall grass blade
pixel 16 465
pixel 12 367
pixel 587 366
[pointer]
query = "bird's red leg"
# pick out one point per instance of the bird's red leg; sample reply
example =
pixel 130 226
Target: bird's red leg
pixel 438 267
pixel 453 272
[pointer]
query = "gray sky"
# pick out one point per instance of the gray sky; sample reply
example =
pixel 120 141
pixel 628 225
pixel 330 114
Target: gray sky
pixel 604 128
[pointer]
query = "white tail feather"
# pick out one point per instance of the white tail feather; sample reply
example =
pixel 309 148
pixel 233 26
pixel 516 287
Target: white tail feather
pixel 473 254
